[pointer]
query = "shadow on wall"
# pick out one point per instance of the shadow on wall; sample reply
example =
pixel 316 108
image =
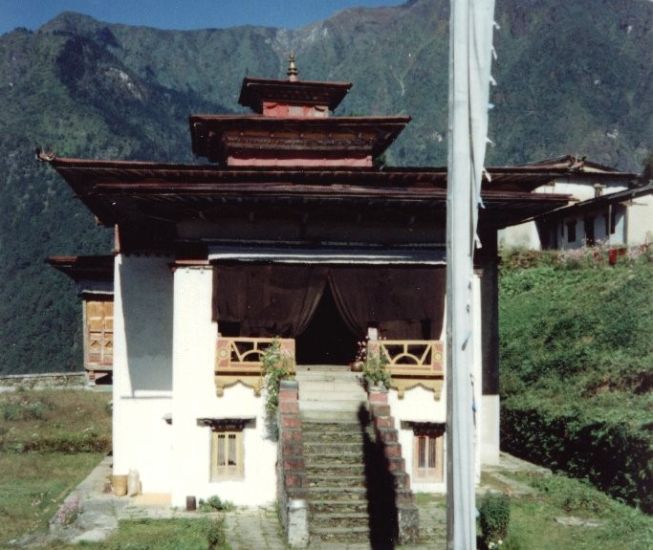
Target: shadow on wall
pixel 147 308
pixel 381 493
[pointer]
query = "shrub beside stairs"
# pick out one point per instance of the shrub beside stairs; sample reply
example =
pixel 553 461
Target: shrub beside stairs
pixel 354 479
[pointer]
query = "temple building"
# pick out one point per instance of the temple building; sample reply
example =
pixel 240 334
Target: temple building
pixel 290 232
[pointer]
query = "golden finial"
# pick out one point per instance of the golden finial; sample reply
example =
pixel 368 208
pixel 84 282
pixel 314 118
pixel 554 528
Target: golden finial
pixel 292 68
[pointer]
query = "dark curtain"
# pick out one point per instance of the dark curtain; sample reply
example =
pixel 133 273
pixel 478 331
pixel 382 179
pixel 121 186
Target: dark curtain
pixel 403 302
pixel 278 300
pixel 268 300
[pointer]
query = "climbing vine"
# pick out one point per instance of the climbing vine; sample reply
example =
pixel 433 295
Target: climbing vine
pixel 277 365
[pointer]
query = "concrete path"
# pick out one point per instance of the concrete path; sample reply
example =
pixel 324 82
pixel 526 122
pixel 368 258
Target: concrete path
pixel 246 528
pixel 253 529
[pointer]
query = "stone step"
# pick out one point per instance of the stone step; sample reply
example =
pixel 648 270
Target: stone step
pixel 344 475
pixel 340 534
pixel 318 436
pixel 337 427
pixel 336 393
pixel 401 496
pixel 353 404
pixel 331 382
pixel 337 493
pixel 330 385
pixel 344 369
pixel 332 480
pixel 320 469
pixel 337 506
pixel 328 416
pixel 335 457
pixel 353 437
pixel 347 519
pixel 327 448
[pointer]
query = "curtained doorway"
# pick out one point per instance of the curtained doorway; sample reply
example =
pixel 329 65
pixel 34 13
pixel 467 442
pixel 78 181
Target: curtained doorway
pixel 327 340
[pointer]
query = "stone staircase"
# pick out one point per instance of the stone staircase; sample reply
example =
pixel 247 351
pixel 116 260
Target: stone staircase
pixel 353 489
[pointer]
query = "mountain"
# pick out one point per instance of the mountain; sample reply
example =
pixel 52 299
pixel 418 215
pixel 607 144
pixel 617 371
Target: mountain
pixel 572 77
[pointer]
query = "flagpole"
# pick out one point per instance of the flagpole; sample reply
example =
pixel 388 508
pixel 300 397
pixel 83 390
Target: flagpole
pixel 470 43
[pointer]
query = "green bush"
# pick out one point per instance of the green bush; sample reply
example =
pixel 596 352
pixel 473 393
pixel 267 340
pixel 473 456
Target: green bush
pixel 68 443
pixel 24 410
pixel 494 517
pixel 215 503
pixel 216 536
pixel 575 382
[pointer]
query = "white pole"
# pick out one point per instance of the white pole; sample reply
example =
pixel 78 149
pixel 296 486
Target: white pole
pixel 470 46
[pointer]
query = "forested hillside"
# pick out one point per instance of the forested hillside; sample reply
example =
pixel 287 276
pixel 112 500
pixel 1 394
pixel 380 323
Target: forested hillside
pixel 573 77
pixel 577 368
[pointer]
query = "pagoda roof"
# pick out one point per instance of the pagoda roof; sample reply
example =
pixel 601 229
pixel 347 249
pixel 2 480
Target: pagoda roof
pixel 300 92
pixel 216 136
pixel 130 191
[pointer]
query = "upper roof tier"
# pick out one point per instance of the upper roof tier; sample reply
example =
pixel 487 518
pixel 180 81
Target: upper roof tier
pixel 292 127
pixel 298 98
pixel 292 97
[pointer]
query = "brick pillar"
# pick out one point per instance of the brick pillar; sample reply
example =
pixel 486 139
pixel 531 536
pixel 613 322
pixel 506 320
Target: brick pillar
pixel 386 433
pixel 291 487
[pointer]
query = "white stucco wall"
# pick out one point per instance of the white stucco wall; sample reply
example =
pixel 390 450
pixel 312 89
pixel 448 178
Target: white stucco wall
pixel 581 189
pixel 419 405
pixel 489 429
pixel 639 226
pixel 194 397
pixel 142 370
pixel 524 235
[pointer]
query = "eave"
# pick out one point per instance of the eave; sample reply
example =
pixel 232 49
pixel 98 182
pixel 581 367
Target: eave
pixel 89 268
pixel 128 192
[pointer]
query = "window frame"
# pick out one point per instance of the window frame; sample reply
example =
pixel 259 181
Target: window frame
pixel 434 448
pixel 227 471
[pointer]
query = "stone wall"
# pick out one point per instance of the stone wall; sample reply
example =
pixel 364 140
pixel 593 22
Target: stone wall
pixel 47 380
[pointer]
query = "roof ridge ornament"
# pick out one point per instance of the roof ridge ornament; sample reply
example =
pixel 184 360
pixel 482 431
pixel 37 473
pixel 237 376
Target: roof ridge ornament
pixel 292 72
pixel 44 156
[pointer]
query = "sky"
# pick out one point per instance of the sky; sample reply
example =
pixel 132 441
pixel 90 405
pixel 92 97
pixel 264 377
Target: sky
pixel 180 14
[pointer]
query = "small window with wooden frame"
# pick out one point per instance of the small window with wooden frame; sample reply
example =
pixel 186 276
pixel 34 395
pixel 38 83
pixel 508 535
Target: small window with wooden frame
pixel 428 455
pixel 227 455
pixel 227 446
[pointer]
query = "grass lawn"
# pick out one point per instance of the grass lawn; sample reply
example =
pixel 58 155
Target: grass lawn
pixel 159 534
pixel 33 483
pixel 533 524
pixel 32 486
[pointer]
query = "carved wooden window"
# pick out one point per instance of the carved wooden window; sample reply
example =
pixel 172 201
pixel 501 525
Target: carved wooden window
pixel 428 456
pixel 227 455
pixel 99 333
